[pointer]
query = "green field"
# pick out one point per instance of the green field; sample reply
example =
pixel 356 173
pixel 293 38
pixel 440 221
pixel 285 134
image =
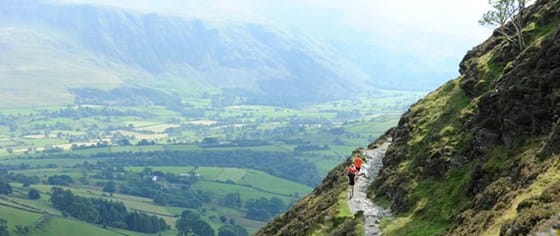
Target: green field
pixel 273 184
pixel 18 217
pixel 59 162
pixel 31 139
pixel 221 189
pixel 73 227
pixel 250 184
pixel 131 202
pixel 264 184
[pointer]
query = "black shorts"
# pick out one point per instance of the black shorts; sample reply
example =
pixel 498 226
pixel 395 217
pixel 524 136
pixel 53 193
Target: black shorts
pixel 351 179
pixel 358 169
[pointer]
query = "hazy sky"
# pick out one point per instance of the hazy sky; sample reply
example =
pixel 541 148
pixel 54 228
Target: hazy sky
pixel 387 17
pixel 457 17
pixel 432 31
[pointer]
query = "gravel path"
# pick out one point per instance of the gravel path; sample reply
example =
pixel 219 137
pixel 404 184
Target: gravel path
pixel 359 202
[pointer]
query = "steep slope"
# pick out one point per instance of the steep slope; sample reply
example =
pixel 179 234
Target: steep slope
pixel 324 211
pixel 478 156
pixel 77 42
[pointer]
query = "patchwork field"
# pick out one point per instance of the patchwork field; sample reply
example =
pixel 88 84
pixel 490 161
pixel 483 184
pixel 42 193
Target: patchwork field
pixel 80 141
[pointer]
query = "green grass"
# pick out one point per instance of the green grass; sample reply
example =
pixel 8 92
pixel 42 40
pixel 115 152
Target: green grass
pixel 257 179
pixel 46 171
pixel 492 70
pixel 437 202
pixel 61 226
pixel 496 160
pixel 271 148
pixel 42 203
pixel 221 173
pixel 434 200
pixel 343 208
pixel 18 217
pixel 233 174
pixel 246 193
pixel 146 204
pixel 60 162
pixel 324 165
pixel 212 216
pixel 165 169
pixel 535 32
pixel 270 183
pixel 53 225
pixel 544 180
pixel 436 114
pixel 131 202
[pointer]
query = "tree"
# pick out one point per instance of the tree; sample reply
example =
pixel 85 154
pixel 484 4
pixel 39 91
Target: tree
pixel 232 230
pixel 182 225
pixel 110 187
pixel 276 205
pixel 142 222
pixel 505 11
pixel 145 142
pixel 61 198
pixel 123 142
pixel 4 228
pixel 5 187
pixel 23 230
pixel 63 180
pixel 33 194
pixel 29 180
pixel 83 209
pixel 190 223
pixel 200 227
pixel 161 199
pixel 188 214
pixel 232 200
pixel 264 209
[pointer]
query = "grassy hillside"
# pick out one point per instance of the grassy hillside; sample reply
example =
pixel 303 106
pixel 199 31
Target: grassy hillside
pixel 74 45
pixel 37 70
pixel 480 154
pixel 477 156
pixel 322 212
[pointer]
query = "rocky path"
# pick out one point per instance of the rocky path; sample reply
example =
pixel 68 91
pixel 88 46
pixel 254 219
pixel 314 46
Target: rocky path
pixel 359 202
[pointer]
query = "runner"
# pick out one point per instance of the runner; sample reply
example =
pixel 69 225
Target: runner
pixel 358 164
pixel 351 172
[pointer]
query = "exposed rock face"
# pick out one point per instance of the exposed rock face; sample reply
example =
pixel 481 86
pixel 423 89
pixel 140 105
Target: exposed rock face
pixel 552 145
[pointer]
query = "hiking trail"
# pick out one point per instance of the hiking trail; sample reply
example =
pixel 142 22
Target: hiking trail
pixel 359 202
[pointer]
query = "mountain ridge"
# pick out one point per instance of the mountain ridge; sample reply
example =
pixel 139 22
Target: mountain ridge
pixel 174 53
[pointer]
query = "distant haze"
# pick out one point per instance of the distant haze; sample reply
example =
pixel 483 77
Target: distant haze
pixel 397 38
pixel 281 52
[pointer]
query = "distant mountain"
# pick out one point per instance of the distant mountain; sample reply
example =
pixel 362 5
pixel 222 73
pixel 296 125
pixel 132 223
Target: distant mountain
pixel 49 48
